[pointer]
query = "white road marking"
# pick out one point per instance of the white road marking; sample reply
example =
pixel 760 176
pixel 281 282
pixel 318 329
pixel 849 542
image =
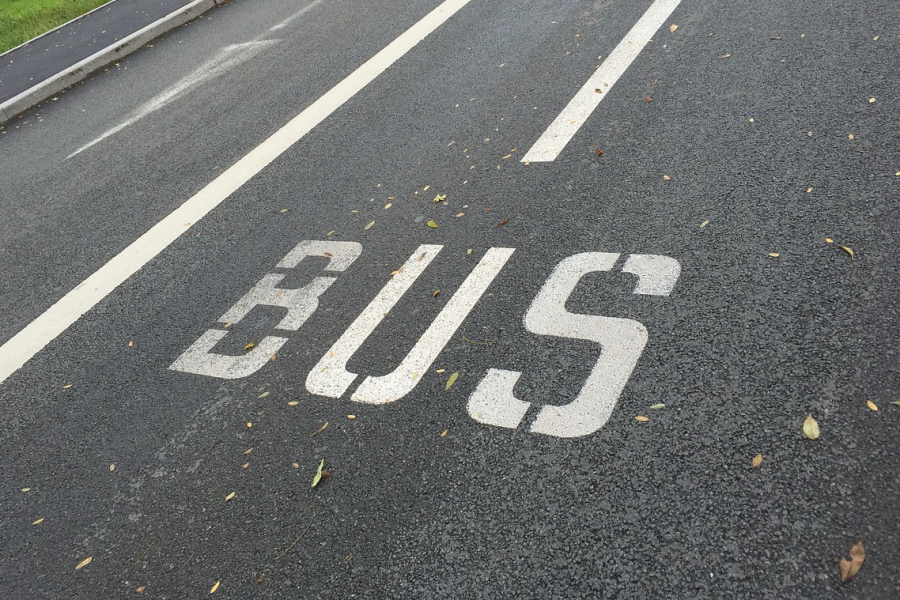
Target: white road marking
pixel 59 317
pixel 622 341
pixel 402 380
pixel 573 116
pixel 226 58
pixel 330 376
pixel 300 303
pixel 297 14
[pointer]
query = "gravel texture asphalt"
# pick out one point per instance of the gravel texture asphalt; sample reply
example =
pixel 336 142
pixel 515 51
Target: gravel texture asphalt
pixel 744 150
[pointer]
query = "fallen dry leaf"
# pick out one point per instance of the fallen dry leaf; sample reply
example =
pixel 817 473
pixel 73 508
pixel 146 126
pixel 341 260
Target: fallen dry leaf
pixel 774 254
pixel 666 178
pixel 369 226
pixel 67 386
pixel 440 198
pixel 249 425
pixel 248 450
pixel 757 460
pixel 704 224
pixel 436 293
pixel 598 151
pixel 215 587
pixel 872 405
pixel 112 467
pixel 648 99
pixel 38 522
pixel 263 395
pixel 724 56
pixel 451 380
pixel 432 224
pixel 672 28
pixel 444 433
pixel 850 136
pixel 657 407
pixel 245 465
pixel 642 418
pixel 295 465
pixel 848 251
pixel 849 568
pixel 84 563
pixel 829 240
pixel 351 417
pixel 811 428
pixel 141 589
pixel 293 403
pixel 503 222
pixel 249 346
pixel 319 430
pixel 230 496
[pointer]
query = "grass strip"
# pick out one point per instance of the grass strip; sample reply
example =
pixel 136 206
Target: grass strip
pixel 21 20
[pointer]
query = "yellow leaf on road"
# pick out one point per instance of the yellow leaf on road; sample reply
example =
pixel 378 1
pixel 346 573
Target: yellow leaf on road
pixel 293 403
pixel 444 433
pixel 757 460
pixel 38 522
pixel 432 224
pixel 672 28
pixel 872 405
pixel 230 496
pixel 704 224
pixel 851 567
pixel 848 251
pixel 84 563
pixel 642 418
pixel 215 587
pixel 369 226
pixel 811 428
pixel 774 254
pixel 451 380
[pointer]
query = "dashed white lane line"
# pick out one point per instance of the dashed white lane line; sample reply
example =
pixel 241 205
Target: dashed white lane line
pixel 59 317
pixel 226 58
pixel 573 116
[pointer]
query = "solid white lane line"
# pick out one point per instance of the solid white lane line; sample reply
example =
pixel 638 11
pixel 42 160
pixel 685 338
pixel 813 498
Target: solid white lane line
pixel 56 319
pixel 573 116
pixel 225 59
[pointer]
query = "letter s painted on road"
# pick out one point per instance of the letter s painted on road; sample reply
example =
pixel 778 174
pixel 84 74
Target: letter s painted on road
pixel 622 342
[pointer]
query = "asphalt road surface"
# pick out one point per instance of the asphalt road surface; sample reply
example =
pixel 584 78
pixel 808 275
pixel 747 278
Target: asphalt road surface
pixel 484 242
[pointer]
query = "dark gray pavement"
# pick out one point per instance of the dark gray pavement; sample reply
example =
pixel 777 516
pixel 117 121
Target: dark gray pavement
pixel 32 63
pixel 745 347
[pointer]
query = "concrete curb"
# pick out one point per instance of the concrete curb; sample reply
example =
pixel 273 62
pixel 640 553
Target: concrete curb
pixel 80 70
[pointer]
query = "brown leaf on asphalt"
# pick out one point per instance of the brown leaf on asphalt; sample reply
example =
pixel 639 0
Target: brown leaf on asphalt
pixel 245 465
pixel 648 99
pixel 598 151
pixel 774 254
pixel 642 418
pixel 319 430
pixel 38 522
pixel 230 496
pixel 849 568
pixel 351 417
pixel 672 28
pixel 84 563
pixel 872 405
pixel 848 251
pixel 811 428
pixel 141 589
pixel 503 222
pixel 829 240
pixel 850 136
pixel 67 386
pixel 666 178
pixel 369 226
pixel 248 450
pixel 293 403
pixel 215 587
pixel 757 460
